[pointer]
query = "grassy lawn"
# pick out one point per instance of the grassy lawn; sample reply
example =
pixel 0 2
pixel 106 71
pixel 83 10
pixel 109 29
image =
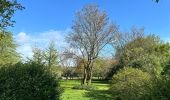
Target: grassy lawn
pixel 72 94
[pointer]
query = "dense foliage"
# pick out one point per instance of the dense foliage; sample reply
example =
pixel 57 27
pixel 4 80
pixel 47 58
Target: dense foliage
pixel 145 73
pixel 161 86
pixel 7 10
pixel 8 49
pixel 28 82
pixel 48 57
pixel 130 84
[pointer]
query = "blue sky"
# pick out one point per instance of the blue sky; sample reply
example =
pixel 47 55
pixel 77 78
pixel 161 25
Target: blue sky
pixel 56 16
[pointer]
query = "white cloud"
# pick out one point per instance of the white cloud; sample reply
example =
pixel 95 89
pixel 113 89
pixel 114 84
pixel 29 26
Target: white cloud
pixel 25 50
pixel 22 37
pixel 27 41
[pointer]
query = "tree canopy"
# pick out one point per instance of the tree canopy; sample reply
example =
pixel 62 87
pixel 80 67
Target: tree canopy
pixel 7 10
pixel 8 49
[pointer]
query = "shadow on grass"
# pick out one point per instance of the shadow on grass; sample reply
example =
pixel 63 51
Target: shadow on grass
pixel 100 81
pixel 99 95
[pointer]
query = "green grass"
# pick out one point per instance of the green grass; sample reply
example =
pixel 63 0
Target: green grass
pixel 72 94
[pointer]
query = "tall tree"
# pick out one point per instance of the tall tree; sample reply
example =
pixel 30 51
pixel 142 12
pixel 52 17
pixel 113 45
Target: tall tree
pixel 123 38
pixel 51 55
pixel 91 32
pixel 148 53
pixel 38 56
pixel 8 54
pixel 7 10
pixel 52 59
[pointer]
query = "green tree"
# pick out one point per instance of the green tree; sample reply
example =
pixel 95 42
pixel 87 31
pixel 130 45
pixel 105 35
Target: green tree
pixel 7 10
pixel 51 55
pixel 148 53
pixel 52 59
pixel 38 56
pixel 8 51
pixel 131 84
pixel 48 57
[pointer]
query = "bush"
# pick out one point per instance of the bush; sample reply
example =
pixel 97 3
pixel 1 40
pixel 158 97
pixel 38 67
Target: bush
pixel 28 82
pixel 131 84
pixel 161 85
pixel 161 89
pixel 85 87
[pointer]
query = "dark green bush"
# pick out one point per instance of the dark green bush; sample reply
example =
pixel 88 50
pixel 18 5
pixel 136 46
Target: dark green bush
pixel 28 82
pixel 85 87
pixel 161 85
pixel 131 84
pixel 161 89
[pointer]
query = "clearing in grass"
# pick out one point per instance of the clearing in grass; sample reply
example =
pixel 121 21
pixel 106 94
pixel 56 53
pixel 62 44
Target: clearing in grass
pixel 101 92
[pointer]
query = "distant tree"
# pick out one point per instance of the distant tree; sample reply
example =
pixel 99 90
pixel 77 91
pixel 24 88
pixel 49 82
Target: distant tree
pixel 38 56
pixel 7 10
pixel 135 49
pixel 91 32
pixel 123 38
pixel 79 67
pixel 51 55
pixel 101 67
pixel 8 53
pixel 51 58
pixel 48 57
pixel 149 54
pixel 67 64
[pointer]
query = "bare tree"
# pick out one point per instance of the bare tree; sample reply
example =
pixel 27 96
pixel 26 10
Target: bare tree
pixel 91 32
pixel 121 39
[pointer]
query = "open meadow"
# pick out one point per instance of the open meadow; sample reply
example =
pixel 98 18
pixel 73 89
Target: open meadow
pixel 72 94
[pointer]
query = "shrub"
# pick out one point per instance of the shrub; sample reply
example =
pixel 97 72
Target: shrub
pixel 160 90
pixel 28 82
pixel 85 87
pixel 161 85
pixel 130 84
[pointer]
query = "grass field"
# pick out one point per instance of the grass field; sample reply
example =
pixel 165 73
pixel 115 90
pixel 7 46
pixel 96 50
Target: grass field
pixel 72 94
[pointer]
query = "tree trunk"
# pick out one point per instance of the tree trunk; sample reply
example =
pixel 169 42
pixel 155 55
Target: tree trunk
pixel 66 77
pixel 88 73
pixel 89 78
pixel 85 76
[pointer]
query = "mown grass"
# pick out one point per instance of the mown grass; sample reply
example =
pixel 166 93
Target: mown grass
pixel 72 94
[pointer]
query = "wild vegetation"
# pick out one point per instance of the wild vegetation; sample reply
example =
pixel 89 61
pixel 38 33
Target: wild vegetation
pixel 28 81
pixel 138 70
